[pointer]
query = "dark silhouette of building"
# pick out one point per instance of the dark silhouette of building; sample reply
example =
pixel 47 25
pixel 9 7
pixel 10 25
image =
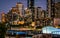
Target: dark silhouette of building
pixel 30 5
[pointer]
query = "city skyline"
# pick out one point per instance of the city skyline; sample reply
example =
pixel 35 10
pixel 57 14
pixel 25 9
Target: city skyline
pixel 8 4
pixel 29 18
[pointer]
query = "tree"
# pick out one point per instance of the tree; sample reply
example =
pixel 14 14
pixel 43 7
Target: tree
pixel 2 30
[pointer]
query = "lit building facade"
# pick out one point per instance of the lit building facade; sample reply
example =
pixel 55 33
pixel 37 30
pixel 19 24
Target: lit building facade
pixel 50 12
pixel 39 16
pixel 57 15
pixel 20 8
pixel 14 10
pixel 39 13
pixel 50 8
pixel 27 11
pixel 3 17
pixel 16 14
pixel 28 15
pixel 15 18
pixel 57 10
pixel 12 15
pixel 30 5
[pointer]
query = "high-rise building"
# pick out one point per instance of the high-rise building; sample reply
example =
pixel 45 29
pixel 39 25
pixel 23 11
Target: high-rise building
pixel 57 15
pixel 30 5
pixel 39 13
pixel 3 17
pixel 27 11
pixel 28 15
pixel 20 8
pixel 14 10
pixel 50 8
pixel 57 10
pixel 35 13
pixel 12 15
pixel 16 14
pixel 50 12
pixel 39 16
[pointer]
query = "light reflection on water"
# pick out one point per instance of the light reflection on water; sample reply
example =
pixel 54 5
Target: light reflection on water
pixel 28 37
pixel 15 37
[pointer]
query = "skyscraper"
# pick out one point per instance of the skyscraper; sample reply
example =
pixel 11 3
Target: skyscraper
pixel 28 15
pixel 57 10
pixel 39 13
pixel 20 8
pixel 30 5
pixel 39 16
pixel 50 12
pixel 50 8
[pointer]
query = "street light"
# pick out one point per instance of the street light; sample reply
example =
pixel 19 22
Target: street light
pixel 33 23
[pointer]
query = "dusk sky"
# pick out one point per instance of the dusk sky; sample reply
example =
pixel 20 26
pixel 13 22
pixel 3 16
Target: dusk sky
pixel 6 5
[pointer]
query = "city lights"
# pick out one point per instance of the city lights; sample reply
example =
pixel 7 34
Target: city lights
pixel 31 17
pixel 21 22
